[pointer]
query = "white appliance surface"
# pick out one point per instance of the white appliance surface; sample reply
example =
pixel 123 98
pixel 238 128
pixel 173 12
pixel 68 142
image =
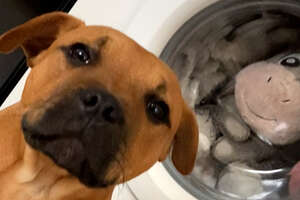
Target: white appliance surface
pixel 151 23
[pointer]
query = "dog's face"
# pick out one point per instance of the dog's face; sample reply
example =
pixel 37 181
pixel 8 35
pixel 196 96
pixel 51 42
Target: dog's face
pixel 98 104
pixel 97 100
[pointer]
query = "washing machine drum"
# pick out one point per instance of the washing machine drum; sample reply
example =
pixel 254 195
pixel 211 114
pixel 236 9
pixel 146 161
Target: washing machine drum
pixel 227 59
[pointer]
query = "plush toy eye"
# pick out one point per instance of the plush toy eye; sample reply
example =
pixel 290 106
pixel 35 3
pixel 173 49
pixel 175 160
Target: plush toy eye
pixel 79 53
pixel 291 61
pixel 157 111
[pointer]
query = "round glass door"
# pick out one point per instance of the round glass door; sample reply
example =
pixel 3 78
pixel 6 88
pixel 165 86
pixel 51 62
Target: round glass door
pixel 238 63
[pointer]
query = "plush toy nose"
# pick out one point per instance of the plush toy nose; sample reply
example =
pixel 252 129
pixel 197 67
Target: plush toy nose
pixel 101 103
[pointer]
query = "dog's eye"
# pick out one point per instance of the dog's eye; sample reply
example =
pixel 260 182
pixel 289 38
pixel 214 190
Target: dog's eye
pixel 291 61
pixel 157 111
pixel 79 53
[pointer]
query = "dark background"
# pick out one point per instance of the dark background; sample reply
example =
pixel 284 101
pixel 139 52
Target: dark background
pixel 13 13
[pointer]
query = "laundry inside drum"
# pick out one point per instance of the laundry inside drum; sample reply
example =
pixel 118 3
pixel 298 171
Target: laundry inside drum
pixel 238 63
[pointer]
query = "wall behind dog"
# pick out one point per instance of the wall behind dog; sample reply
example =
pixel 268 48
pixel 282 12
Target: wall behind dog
pixel 13 13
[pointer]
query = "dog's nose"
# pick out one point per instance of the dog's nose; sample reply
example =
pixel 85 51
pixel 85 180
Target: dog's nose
pixel 101 103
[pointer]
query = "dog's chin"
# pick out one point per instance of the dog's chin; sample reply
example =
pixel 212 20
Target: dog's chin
pixel 70 153
pixel 71 159
pixel 88 178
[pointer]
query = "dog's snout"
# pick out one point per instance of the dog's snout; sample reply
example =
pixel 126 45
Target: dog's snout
pixel 102 103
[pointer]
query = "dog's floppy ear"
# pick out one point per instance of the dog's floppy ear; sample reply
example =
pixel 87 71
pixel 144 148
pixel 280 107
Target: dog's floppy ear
pixel 38 33
pixel 186 142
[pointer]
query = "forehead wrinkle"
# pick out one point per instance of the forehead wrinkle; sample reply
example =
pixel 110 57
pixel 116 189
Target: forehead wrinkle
pixel 161 88
pixel 101 41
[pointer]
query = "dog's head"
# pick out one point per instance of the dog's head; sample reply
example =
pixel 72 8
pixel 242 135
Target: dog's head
pixel 98 104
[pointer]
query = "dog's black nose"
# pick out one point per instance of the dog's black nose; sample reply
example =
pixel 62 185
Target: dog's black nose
pixel 101 103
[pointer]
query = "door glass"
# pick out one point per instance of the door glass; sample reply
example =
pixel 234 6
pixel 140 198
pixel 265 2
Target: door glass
pixel 237 62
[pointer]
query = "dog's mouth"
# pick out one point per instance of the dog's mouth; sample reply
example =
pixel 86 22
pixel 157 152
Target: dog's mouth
pixel 71 154
pixel 74 155
pixel 82 144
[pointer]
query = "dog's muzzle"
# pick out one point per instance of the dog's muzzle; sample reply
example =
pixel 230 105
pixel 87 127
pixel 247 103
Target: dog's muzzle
pixel 82 132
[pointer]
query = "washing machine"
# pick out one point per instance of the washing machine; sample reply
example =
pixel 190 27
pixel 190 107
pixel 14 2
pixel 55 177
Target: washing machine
pixel 202 33
pixel 176 31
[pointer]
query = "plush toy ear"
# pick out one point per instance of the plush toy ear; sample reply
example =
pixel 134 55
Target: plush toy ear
pixel 38 33
pixel 185 143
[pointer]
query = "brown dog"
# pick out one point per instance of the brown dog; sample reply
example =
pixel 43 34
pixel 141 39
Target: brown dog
pixel 97 110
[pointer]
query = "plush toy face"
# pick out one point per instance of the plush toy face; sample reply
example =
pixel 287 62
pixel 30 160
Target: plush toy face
pixel 267 95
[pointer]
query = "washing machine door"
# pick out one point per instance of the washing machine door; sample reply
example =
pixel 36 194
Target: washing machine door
pixel 215 40
pixel 157 183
